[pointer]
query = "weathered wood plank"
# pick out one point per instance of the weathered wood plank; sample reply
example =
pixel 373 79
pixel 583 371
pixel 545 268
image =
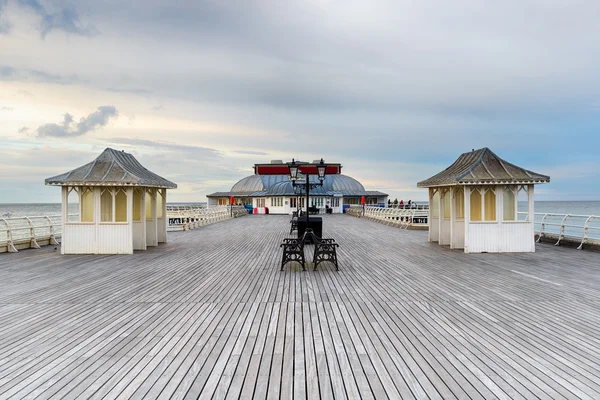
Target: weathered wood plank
pixel 209 315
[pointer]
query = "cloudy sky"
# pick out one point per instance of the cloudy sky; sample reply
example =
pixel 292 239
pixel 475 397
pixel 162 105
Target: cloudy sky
pixel 394 90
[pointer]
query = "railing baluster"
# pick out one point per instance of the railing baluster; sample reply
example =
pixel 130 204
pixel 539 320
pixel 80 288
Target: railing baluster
pixel 586 228
pixel 562 230
pixel 542 227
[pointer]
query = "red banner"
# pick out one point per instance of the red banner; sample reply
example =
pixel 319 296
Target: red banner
pixel 362 200
pixel 231 200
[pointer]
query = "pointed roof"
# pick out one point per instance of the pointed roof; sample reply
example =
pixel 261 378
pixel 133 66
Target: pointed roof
pixel 482 167
pixel 112 168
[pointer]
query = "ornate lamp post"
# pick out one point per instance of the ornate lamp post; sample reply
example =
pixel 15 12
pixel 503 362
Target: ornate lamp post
pixel 321 171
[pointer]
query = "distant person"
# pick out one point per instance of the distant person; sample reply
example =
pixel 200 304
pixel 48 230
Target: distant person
pixel 409 203
pixel 401 203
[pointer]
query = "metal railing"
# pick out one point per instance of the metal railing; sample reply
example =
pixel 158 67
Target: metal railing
pixel 412 206
pixel 17 233
pixel 584 229
pixel 394 216
pixel 29 232
pixel 190 217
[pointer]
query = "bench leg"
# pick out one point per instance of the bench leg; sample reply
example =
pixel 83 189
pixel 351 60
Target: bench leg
pixel 299 259
pixel 332 257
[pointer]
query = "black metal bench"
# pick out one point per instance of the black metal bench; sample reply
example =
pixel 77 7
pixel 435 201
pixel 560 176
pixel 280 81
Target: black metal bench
pixel 293 225
pixel 293 250
pixel 325 250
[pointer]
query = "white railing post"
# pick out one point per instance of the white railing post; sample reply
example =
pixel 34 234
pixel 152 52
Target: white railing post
pixel 53 240
pixel 542 227
pixel 9 239
pixel 32 242
pixel 586 228
pixel 562 229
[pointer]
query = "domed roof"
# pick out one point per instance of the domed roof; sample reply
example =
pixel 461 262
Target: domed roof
pixel 280 185
pixel 281 189
pixel 344 183
pixel 251 183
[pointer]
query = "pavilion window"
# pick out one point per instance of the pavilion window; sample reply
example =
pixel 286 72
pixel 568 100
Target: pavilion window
pixel 87 204
pixel 459 203
pixel 293 202
pixel 223 202
pixel 159 204
pixel 446 204
pixel 476 205
pixel 523 202
pixel 490 205
pixel 121 206
pixel 73 202
pixel 137 205
pixel 435 204
pixel 106 205
pixel 509 211
pixel 149 205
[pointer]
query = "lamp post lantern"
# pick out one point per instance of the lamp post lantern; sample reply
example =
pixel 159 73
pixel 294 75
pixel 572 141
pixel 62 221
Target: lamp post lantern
pixel 321 171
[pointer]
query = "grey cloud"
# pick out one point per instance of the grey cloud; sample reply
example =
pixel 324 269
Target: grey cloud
pixel 42 76
pixel 126 90
pixel 9 73
pixel 199 151
pixel 67 128
pixel 6 108
pixel 66 19
pixel 23 130
pixel 5 25
pixel 250 152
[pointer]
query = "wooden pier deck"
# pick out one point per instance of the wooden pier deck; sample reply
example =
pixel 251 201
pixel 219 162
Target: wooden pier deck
pixel 209 315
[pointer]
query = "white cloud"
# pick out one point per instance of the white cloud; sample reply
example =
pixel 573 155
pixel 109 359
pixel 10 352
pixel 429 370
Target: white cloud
pixel 68 128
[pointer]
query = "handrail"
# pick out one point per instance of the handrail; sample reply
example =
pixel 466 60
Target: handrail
pixel 564 225
pixel 186 218
pixel 394 216
pixel 29 232
pixel 33 231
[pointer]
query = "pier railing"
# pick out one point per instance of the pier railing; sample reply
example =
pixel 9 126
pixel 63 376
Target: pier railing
pixel 19 233
pixel 395 216
pixel 190 217
pixel 573 228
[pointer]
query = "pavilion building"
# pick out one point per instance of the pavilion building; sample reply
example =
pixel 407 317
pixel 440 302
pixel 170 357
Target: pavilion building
pixel 112 205
pixel 270 187
pixel 474 204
